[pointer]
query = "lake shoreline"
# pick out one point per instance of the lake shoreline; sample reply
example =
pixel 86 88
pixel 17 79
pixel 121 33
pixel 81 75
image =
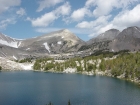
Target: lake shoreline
pixel 91 74
pixel 99 73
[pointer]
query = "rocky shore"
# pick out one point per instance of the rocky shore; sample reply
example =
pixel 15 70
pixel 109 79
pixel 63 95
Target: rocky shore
pixel 9 65
pixel 92 73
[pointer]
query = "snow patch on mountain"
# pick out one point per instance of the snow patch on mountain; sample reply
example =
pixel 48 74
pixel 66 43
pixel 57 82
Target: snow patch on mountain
pixel 52 45
pixel 11 44
pixel 137 29
pixel 112 50
pixel 28 49
pixel 19 43
pixel 46 46
pixel 2 53
pixel 59 42
pixel 14 57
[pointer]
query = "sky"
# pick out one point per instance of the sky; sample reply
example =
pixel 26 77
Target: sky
pixel 24 19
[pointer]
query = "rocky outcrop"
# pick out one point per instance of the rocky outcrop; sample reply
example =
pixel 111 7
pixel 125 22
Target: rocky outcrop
pixel 9 65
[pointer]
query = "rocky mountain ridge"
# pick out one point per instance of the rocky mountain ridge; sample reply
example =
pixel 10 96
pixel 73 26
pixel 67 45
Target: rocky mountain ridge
pixel 64 41
pixel 57 42
pixel 108 35
pixel 128 39
pixel 8 41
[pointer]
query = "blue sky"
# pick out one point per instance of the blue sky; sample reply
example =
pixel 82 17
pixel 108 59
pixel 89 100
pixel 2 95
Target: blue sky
pixel 86 18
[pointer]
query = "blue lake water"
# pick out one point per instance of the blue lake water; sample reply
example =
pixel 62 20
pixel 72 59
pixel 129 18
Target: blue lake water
pixel 38 88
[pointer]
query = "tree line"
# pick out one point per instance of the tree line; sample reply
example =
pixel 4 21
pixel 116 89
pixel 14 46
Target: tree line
pixel 124 64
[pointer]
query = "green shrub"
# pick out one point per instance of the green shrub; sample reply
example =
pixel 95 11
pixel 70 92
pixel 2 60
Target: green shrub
pixel 49 66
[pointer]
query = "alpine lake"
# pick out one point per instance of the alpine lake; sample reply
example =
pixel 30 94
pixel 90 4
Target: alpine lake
pixel 40 88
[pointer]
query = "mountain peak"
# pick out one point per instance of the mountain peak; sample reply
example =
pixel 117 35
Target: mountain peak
pixel 127 39
pixel 131 32
pixel 107 35
pixel 66 30
pixel 132 27
pixel 112 30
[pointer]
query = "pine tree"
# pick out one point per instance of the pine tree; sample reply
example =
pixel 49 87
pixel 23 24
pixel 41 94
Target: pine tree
pixel 0 68
pixel 85 63
pixel 90 67
pixel 49 103
pixel 69 102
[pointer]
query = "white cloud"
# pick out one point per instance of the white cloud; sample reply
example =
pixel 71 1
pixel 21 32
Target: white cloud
pixel 104 7
pixel 64 9
pixel 48 18
pixel 6 22
pixel 128 18
pixel 47 3
pixel 85 24
pixel 103 20
pixel 97 26
pixel 21 12
pixel 90 3
pixel 100 8
pixel 6 4
pixel 125 3
pixel 44 20
pixel 105 28
pixel 124 19
pixel 80 31
pixel 79 14
pixel 7 7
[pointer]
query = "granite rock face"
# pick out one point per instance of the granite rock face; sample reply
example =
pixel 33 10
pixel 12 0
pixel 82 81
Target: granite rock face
pixel 128 39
